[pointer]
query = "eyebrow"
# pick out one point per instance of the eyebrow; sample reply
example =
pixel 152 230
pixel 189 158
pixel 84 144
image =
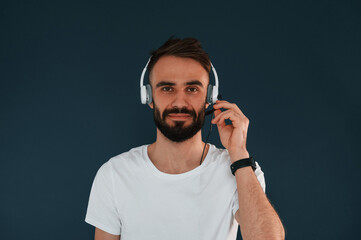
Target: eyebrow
pixel 167 83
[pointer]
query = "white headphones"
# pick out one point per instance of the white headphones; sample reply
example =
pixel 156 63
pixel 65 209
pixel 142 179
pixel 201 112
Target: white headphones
pixel 146 91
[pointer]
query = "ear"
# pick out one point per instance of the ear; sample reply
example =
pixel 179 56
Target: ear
pixel 151 105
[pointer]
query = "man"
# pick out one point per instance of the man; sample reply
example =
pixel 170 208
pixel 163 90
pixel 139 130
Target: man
pixel 180 187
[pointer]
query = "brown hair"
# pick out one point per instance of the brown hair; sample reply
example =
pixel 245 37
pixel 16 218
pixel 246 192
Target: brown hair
pixel 186 48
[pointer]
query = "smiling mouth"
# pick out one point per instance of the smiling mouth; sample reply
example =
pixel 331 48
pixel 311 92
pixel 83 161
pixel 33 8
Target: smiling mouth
pixel 178 116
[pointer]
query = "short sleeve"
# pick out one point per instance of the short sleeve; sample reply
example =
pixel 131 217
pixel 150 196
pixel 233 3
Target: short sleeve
pixel 260 176
pixel 101 211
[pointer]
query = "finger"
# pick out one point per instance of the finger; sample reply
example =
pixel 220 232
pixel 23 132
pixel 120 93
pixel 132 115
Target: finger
pixel 237 120
pixel 217 112
pixel 231 116
pixel 220 124
pixel 224 112
pixel 228 105
pixel 228 114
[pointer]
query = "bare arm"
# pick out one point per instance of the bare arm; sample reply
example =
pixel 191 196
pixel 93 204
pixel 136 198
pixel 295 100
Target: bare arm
pixel 101 235
pixel 256 216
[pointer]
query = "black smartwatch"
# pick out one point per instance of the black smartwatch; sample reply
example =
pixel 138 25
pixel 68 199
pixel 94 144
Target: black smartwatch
pixel 243 163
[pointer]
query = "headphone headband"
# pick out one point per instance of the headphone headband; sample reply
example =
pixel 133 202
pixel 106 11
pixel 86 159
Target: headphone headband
pixel 145 69
pixel 143 73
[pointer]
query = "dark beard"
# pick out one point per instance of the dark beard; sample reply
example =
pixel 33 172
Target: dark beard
pixel 179 133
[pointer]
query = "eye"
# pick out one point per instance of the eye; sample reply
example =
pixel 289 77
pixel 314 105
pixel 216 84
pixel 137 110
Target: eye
pixel 166 89
pixel 194 89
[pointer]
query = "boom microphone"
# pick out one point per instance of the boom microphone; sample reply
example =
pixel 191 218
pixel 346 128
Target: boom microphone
pixel 212 110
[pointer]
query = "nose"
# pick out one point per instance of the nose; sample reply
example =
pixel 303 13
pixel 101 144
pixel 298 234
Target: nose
pixel 180 100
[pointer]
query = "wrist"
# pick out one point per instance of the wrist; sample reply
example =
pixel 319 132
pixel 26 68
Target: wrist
pixel 237 155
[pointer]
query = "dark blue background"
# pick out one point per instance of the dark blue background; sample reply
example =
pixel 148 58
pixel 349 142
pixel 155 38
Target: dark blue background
pixel 69 100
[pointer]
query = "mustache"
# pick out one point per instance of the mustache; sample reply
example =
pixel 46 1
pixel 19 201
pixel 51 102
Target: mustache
pixel 185 111
pixel 178 110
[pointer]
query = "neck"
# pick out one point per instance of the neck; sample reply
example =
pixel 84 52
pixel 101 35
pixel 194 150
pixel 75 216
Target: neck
pixel 175 158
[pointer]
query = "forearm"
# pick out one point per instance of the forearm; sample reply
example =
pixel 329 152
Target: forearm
pixel 258 219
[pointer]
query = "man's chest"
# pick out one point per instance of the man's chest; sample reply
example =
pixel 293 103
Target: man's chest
pixel 187 204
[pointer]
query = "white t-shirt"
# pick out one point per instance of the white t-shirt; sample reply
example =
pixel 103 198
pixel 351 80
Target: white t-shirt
pixel 132 198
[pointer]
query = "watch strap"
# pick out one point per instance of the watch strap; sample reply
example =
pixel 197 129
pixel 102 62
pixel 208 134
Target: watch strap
pixel 246 162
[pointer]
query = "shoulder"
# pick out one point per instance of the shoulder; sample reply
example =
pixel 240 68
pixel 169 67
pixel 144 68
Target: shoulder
pixel 132 154
pixel 220 156
pixel 123 160
pixel 217 153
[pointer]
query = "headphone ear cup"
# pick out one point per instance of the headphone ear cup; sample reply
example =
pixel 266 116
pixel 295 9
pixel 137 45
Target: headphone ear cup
pixel 148 93
pixel 143 95
pixel 215 94
pixel 209 93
